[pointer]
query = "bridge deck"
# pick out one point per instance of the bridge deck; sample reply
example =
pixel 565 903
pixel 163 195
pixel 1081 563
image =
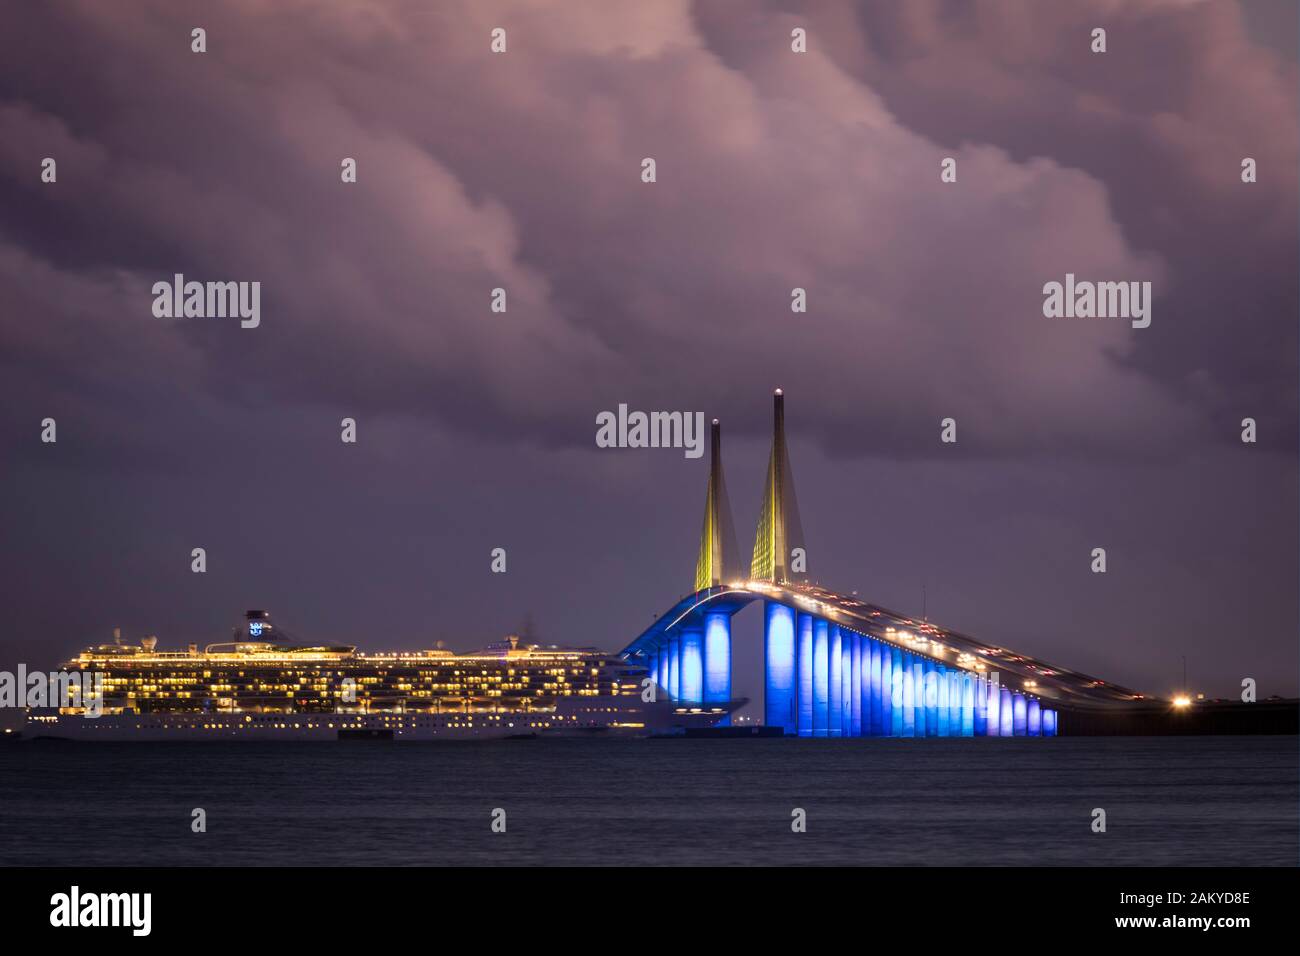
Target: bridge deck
pixel 925 638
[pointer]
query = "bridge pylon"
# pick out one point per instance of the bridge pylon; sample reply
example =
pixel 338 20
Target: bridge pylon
pixel 719 558
pixel 779 556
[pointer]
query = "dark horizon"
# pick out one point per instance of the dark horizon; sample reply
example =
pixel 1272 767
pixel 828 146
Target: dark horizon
pixel 775 171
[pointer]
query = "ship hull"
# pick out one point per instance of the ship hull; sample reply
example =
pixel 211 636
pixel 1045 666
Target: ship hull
pixel 587 717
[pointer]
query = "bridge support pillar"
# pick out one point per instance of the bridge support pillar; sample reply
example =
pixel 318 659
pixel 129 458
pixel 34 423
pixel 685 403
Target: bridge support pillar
pixel 845 716
pixel 992 708
pixel 835 689
pixel 909 696
pixel 951 704
pixel 779 667
pixel 1049 723
pixel 879 683
pixel 893 687
pixel 821 678
pixel 717 660
pixel 1034 727
pixel 663 655
pixel 1018 715
pixel 968 685
pixel 675 666
pixel 805 689
pixel 1007 723
pixel 868 685
pixel 692 658
pixel 855 685
pixel 943 714
pixel 919 715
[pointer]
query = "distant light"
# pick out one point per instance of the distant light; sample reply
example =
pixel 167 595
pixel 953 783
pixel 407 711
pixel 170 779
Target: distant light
pixel 1182 700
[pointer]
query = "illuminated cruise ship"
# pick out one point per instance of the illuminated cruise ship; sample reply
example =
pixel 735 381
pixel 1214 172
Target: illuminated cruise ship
pixel 262 685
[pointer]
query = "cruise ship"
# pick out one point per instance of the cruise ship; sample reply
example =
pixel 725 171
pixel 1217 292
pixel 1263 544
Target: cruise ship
pixel 264 685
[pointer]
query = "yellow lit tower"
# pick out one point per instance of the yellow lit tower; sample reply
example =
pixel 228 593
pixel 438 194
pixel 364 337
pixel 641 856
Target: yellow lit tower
pixel 719 560
pixel 779 530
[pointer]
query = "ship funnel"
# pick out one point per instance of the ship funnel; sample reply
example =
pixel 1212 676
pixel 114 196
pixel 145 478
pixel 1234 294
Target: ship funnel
pixel 258 624
pixel 149 643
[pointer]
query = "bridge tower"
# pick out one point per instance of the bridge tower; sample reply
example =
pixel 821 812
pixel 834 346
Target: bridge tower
pixel 780 532
pixel 719 557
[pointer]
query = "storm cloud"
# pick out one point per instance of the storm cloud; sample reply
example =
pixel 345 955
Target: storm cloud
pixel 775 171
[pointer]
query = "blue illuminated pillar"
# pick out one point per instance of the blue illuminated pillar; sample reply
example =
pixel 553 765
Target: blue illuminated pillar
pixel 855 686
pixel 967 704
pixel 663 668
pixel 805 675
pixel 905 702
pixel 993 696
pixel 652 666
pixel 945 722
pixel 891 708
pixel 879 679
pixel 717 660
pixel 692 665
pixel 846 683
pixel 1035 726
pixel 1018 715
pixel 864 684
pixel 778 654
pixel 954 703
pixel 909 697
pixel 1008 725
pixel 821 678
pixel 1049 723
pixel 918 669
pixel 957 701
pixel 918 679
pixel 834 701
pixel 675 666
pixel 897 680
pixel 918 675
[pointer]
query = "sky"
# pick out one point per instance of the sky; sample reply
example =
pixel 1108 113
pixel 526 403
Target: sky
pixel 775 170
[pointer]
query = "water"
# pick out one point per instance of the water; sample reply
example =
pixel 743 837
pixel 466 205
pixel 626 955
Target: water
pixel 1218 801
